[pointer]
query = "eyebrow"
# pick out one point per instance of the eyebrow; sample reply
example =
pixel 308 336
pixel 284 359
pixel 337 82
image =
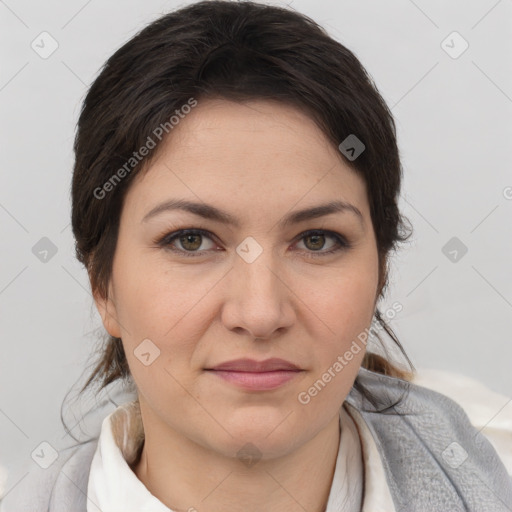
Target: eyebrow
pixel 210 212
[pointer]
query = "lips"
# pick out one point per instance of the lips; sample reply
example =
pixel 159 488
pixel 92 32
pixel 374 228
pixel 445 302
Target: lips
pixel 257 376
pixel 251 365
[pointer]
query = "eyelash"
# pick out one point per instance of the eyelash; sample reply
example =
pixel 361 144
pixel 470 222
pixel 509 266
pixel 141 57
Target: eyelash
pixel 166 241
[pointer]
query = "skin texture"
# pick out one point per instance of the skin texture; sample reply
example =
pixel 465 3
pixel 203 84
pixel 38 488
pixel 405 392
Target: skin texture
pixel 258 161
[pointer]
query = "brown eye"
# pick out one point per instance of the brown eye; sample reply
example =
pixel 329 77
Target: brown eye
pixel 189 239
pixel 315 241
pixel 190 242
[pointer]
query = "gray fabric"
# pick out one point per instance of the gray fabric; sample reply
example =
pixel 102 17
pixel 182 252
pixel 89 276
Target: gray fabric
pixel 60 488
pixel 411 438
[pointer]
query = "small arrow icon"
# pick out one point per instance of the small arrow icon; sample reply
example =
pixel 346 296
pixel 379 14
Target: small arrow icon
pixel 352 147
pixel 249 249
pixel 146 352
pixel 454 45
pixel 454 249
pixel 249 454
pixel 44 455
pixel 44 250
pixel 44 44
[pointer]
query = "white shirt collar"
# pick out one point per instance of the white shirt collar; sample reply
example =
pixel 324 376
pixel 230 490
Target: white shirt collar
pixel 114 487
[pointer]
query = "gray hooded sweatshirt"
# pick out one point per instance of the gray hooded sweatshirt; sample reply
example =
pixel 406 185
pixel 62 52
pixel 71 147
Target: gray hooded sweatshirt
pixel 434 459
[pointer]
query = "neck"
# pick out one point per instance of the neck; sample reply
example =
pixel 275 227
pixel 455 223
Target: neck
pixel 186 476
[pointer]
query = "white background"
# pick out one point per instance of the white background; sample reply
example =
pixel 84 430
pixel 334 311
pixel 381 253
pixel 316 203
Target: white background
pixel 454 131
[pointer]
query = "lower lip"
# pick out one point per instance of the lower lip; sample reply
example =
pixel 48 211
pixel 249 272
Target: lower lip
pixel 257 381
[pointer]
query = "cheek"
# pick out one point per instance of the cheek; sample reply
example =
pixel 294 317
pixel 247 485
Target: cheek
pixel 344 301
pixel 342 311
pixel 157 306
pixel 152 297
pixel 168 307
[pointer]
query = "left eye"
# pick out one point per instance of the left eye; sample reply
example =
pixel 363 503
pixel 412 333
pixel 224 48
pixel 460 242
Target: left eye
pixel 191 241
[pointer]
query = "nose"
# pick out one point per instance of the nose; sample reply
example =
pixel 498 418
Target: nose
pixel 259 301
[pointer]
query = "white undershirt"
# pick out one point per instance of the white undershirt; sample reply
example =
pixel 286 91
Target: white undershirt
pixel 114 487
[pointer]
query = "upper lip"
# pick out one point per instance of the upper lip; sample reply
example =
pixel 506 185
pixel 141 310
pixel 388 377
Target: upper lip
pixel 251 365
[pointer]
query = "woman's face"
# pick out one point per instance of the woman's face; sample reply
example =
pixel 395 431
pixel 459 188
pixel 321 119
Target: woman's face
pixel 256 288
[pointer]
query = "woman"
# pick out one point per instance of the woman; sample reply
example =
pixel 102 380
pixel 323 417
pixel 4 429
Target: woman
pixel 235 205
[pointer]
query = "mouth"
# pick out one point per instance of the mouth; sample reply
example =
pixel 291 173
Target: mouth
pixel 252 365
pixel 255 375
pixel 257 381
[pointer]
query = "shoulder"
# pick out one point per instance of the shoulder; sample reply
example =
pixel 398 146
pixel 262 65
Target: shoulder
pixel 488 411
pixel 425 436
pixel 466 403
pixel 60 487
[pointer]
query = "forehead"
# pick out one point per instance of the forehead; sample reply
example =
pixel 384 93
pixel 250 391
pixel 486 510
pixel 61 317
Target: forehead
pixel 264 130
pixel 259 152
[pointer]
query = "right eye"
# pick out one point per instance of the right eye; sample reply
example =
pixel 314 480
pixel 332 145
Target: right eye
pixel 190 240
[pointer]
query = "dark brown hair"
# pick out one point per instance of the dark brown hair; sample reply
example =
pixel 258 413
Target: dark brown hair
pixel 237 51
